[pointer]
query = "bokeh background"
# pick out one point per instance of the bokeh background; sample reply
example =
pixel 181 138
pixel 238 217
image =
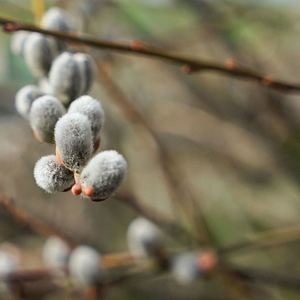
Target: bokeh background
pixel 232 144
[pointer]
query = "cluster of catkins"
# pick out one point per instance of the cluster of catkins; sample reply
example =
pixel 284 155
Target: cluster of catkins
pixel 144 239
pixel 60 113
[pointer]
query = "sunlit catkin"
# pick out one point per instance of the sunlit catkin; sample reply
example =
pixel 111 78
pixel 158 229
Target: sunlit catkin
pixel 144 238
pixel 44 114
pixel 52 176
pixel 87 67
pixel 65 78
pixel 58 19
pixel 185 268
pixel 73 139
pixel 56 253
pixel 93 110
pixel 39 52
pixel 103 175
pixel 18 41
pixel 25 97
pixel 85 265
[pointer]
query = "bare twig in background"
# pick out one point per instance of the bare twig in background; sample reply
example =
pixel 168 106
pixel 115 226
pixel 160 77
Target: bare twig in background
pixel 265 239
pixel 31 222
pixel 173 229
pixel 190 65
pixel 180 194
pixel 266 276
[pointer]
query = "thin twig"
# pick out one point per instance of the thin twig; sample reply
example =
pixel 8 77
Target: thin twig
pixel 179 193
pixel 257 275
pixel 190 65
pixel 163 221
pixel 31 222
pixel 266 239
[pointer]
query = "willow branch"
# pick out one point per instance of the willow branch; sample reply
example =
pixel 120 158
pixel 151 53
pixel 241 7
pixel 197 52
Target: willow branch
pixel 257 275
pixel 266 239
pixel 37 226
pixel 190 65
pixel 179 193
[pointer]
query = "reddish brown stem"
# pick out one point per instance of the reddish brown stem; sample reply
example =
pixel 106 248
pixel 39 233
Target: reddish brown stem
pixel 190 65
pixel 31 222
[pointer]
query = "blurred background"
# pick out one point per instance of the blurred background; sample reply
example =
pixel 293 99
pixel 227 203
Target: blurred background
pixel 219 148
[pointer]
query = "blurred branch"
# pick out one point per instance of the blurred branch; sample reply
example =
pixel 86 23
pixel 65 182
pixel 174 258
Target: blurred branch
pixel 269 238
pixel 31 222
pixel 180 194
pixel 190 65
pixel 265 276
pixel 154 216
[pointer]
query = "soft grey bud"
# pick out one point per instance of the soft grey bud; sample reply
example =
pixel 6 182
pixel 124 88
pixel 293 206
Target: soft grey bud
pixel 85 265
pixel 56 252
pixel 39 53
pixel 25 97
pixel 143 238
pixel 44 114
pixel 58 19
pixel 45 86
pixel 91 108
pixel 87 69
pixel 8 263
pixel 51 176
pixel 185 268
pixel 65 78
pixel 73 138
pixel 18 41
pixel 103 175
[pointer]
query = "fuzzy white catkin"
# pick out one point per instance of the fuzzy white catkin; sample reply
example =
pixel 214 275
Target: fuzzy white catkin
pixel 185 268
pixel 104 173
pixel 51 176
pixel 44 114
pixel 56 253
pixel 85 265
pixel 73 139
pixel 39 52
pixel 8 263
pixel 44 86
pixel 58 19
pixel 87 68
pixel 92 109
pixel 25 97
pixel 65 78
pixel 143 237
pixel 18 41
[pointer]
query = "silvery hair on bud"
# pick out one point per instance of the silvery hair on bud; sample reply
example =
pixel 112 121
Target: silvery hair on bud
pixel 45 86
pixel 143 238
pixel 73 138
pixel 104 173
pixel 65 78
pixel 85 265
pixel 25 97
pixel 39 52
pixel 51 176
pixel 44 114
pixel 185 268
pixel 18 41
pixel 87 67
pixel 8 263
pixel 56 252
pixel 58 19
pixel 91 108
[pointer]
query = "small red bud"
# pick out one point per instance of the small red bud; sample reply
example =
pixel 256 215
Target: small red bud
pixel 76 189
pixel 207 261
pixel 88 191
